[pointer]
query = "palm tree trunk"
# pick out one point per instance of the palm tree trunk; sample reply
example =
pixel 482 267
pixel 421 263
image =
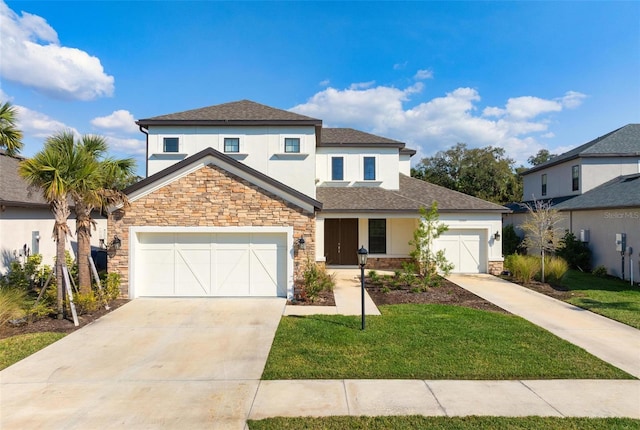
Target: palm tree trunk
pixel 60 208
pixel 83 232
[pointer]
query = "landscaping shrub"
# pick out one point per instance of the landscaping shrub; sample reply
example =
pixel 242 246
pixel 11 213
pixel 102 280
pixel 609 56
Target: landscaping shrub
pixel 111 286
pixel 12 303
pixel 316 279
pixel 523 267
pixel 599 271
pixel 511 242
pixel 86 303
pixel 577 254
pixel 554 269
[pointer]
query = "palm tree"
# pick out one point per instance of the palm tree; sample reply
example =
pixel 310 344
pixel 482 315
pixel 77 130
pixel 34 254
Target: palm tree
pixel 56 170
pixel 10 135
pixel 98 190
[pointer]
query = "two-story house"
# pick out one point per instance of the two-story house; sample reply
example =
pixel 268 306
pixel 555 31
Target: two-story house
pixel 240 196
pixel 594 186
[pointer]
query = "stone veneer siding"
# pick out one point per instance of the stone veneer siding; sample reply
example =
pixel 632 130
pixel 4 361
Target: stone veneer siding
pixel 210 197
pixel 496 267
pixel 376 263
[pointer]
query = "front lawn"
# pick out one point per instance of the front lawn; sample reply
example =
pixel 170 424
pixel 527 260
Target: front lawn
pixel 15 348
pixel 427 342
pixel 444 423
pixel 610 297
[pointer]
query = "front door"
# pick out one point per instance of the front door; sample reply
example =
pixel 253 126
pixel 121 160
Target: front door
pixel 341 241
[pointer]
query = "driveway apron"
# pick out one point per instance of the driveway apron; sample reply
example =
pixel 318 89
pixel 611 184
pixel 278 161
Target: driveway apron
pixel 153 363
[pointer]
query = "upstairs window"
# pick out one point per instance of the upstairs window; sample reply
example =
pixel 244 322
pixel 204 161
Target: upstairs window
pixel 544 184
pixel 378 236
pixel 231 144
pixel 369 168
pixel 575 178
pixel 292 145
pixel 337 168
pixel 171 144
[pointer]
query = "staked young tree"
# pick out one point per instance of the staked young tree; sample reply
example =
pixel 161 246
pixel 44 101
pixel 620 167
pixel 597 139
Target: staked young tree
pixel 541 229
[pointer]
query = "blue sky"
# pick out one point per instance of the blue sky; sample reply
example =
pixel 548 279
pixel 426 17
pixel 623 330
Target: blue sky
pixel 518 75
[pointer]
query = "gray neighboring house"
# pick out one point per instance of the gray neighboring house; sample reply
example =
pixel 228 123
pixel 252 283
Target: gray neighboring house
pixel 26 222
pixel 595 186
pixel 601 214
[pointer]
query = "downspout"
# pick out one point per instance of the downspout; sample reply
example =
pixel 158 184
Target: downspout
pixel 146 161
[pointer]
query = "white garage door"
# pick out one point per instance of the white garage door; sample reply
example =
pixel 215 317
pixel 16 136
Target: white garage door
pixel 466 249
pixel 211 264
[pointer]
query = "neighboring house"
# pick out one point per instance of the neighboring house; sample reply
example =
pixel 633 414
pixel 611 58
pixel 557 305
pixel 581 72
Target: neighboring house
pixel 240 196
pixel 578 182
pixel 26 221
pixel 604 212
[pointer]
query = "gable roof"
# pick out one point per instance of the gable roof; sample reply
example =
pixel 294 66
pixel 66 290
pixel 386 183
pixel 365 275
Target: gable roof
pixel 243 112
pixel 621 192
pixel 245 171
pixel 623 142
pixel 412 195
pixel 14 191
pixel 348 137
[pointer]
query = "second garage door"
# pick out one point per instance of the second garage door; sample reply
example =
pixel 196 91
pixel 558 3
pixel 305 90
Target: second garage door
pixel 211 264
pixel 466 249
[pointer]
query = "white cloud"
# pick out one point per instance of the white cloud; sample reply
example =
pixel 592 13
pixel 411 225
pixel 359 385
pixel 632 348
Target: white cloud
pixel 441 122
pixel 423 74
pixel 362 85
pixel 33 57
pixel 39 125
pixel 400 66
pixel 120 120
pixel 324 83
pixel 572 99
pixel 128 147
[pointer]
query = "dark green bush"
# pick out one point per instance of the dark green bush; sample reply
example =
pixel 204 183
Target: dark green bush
pixel 574 252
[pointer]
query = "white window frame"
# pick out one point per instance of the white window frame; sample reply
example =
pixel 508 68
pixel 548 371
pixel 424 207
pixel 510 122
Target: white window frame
pixel 375 166
pixel 284 145
pixel 224 148
pixel 163 143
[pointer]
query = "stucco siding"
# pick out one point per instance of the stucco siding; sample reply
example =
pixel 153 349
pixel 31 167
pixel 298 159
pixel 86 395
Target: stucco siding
pixel 387 166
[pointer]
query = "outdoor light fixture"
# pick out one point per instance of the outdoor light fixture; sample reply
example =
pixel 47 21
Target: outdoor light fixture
pixel 497 235
pixel 302 244
pixel 115 244
pixel 362 259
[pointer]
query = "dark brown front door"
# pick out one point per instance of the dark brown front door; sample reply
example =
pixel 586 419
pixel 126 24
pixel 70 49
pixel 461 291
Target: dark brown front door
pixel 341 241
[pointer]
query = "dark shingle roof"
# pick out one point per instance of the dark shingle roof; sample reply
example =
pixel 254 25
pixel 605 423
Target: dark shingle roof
pixel 14 191
pixel 243 112
pixel 624 141
pixel 413 194
pixel 623 191
pixel 349 137
pixel 521 207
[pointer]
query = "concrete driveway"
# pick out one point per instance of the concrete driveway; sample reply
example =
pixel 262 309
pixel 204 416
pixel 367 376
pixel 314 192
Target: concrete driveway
pixel 153 363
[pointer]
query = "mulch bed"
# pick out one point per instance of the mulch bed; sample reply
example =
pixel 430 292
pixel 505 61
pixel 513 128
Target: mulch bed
pixel 325 298
pixel 447 293
pixel 53 324
pixel 555 291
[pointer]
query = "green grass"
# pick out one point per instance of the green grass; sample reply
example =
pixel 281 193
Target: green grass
pixel 444 423
pixel 426 342
pixel 610 297
pixel 15 348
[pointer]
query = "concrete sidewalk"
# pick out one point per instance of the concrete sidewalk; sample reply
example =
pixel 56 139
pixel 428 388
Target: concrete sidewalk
pixel 608 340
pixel 554 398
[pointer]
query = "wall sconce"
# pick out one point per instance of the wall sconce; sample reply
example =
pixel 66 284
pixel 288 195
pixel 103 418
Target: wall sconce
pixel 302 244
pixel 115 243
pixel 497 235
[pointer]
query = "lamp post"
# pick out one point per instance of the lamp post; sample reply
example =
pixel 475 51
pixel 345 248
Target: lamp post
pixel 362 260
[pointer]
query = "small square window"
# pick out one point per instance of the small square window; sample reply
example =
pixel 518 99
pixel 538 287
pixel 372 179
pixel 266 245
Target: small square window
pixel 369 168
pixel 575 178
pixel 337 168
pixel 544 184
pixel 231 144
pixel 171 144
pixel 292 144
pixel 378 236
